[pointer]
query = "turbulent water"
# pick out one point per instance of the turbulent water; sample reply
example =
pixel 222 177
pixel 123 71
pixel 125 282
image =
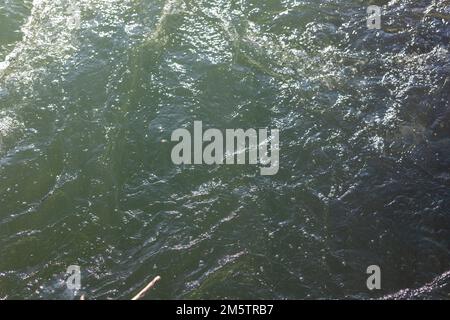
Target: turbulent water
pixel 91 90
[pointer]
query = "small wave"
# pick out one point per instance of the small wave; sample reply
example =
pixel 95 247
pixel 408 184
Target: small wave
pixel 46 38
pixel 426 291
pixel 8 125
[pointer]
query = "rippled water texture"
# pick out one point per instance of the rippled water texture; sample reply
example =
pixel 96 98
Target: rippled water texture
pixel 85 171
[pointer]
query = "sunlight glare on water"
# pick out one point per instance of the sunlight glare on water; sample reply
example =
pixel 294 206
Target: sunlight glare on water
pixel 91 90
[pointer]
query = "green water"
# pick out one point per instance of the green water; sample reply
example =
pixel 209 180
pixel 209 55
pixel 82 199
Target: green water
pixel 86 178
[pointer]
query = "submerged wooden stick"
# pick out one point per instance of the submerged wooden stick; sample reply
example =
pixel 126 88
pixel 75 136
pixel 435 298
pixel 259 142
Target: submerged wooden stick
pixel 141 293
pixel 148 287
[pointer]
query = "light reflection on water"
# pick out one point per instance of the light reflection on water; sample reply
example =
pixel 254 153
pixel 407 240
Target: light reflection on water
pixel 85 177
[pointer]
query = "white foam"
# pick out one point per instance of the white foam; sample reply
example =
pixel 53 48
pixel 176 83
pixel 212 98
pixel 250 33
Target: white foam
pixel 8 125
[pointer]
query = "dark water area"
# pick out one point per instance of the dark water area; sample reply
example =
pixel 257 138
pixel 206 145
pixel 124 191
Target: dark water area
pixel 86 116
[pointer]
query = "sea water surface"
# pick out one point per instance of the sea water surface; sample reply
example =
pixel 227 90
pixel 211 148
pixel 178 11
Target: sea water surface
pixel 91 90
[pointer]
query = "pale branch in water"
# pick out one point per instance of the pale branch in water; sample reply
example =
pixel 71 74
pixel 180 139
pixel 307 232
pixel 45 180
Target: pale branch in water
pixel 142 293
pixel 148 287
